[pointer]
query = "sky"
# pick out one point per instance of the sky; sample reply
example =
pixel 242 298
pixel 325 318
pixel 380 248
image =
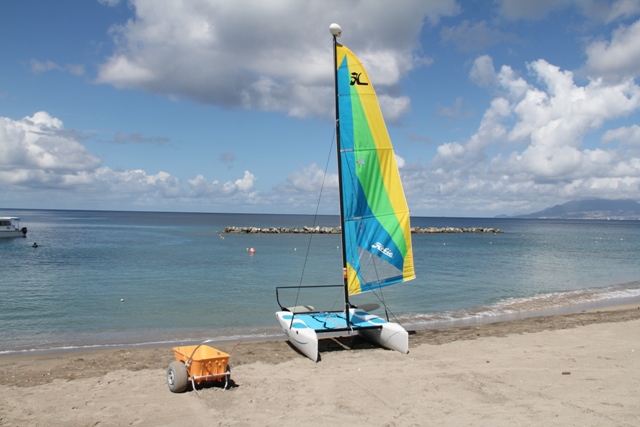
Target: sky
pixel 493 106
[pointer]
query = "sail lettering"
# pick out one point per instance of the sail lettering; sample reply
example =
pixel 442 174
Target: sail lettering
pixel 382 249
pixel 355 80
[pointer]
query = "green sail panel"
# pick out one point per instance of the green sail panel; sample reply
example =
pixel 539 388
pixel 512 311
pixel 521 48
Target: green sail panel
pixel 377 227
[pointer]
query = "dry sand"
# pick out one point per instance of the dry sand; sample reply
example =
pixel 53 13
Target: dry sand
pixel 579 369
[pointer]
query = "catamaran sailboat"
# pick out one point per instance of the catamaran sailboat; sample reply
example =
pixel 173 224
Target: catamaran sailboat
pixel 374 218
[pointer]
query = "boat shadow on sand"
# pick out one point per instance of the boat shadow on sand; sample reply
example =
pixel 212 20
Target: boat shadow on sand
pixel 330 345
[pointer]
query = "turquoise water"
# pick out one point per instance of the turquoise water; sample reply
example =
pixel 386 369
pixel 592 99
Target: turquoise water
pixel 182 280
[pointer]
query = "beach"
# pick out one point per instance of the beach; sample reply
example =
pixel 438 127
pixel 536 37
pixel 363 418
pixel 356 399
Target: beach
pixel 572 369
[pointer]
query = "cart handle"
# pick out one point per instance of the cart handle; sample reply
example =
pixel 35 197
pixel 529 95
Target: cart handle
pixel 234 347
pixel 188 362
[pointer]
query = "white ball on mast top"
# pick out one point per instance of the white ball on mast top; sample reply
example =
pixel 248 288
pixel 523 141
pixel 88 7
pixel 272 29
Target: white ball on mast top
pixel 335 30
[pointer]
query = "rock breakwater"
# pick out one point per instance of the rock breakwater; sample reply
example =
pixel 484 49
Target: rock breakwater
pixel 338 230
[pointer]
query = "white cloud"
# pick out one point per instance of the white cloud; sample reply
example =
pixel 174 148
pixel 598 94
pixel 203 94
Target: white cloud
pixel 41 67
pixel 530 146
pixel 629 136
pixel 617 59
pixel 394 107
pixel 622 9
pixel 109 2
pixel 38 144
pixel 517 9
pixel 246 183
pixel 309 179
pixel 37 154
pixel 599 11
pixel 306 188
pixel 273 56
pixel 482 72
pixel 565 112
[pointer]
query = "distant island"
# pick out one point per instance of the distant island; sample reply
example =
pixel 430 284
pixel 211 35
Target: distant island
pixel 588 209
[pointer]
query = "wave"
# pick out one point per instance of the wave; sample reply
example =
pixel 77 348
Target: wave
pixel 535 306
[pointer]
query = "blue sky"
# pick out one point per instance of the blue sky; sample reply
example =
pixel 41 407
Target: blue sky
pixel 493 107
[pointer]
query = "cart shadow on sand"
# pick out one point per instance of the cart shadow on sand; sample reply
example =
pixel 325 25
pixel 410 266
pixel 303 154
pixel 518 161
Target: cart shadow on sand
pixel 212 385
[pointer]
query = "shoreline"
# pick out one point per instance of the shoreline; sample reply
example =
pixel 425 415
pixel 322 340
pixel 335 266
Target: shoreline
pixel 410 324
pixel 35 368
pixel 583 301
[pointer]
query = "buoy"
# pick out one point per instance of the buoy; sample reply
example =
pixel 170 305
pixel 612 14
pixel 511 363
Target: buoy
pixel 251 251
pixel 121 299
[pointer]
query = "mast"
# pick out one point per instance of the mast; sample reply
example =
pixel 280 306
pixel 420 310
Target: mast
pixel 336 31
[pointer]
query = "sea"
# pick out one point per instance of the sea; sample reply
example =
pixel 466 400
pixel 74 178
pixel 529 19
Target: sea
pixel 101 279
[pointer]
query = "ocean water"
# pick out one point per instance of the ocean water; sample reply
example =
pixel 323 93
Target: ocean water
pixel 181 280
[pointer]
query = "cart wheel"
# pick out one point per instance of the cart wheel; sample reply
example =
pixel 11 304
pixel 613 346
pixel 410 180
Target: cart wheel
pixel 177 377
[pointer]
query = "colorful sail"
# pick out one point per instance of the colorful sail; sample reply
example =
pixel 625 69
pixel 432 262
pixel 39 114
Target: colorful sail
pixel 376 216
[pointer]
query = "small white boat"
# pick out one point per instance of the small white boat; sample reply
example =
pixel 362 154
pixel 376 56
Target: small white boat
pixel 10 227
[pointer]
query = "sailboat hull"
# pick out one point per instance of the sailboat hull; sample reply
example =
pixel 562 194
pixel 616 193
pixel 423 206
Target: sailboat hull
pixel 305 330
pixel 390 335
pixel 299 334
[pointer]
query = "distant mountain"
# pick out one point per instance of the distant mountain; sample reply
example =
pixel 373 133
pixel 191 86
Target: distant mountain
pixel 590 209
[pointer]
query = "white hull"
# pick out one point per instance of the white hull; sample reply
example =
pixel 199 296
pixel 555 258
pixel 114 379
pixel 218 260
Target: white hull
pixel 391 335
pixel 304 338
pixel 11 233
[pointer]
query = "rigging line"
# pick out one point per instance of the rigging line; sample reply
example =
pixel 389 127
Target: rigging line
pixel 381 297
pixel 315 219
pixel 333 306
pixel 384 304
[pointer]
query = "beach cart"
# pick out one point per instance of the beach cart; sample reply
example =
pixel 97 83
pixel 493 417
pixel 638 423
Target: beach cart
pixel 197 363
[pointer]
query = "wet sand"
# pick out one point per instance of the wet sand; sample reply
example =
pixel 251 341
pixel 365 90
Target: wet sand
pixel 575 369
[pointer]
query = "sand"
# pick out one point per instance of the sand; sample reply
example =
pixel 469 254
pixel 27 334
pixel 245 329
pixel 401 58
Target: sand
pixel 580 369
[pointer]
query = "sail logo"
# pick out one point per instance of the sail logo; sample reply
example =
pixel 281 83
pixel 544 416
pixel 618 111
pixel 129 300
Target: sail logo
pixel 385 251
pixel 355 80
